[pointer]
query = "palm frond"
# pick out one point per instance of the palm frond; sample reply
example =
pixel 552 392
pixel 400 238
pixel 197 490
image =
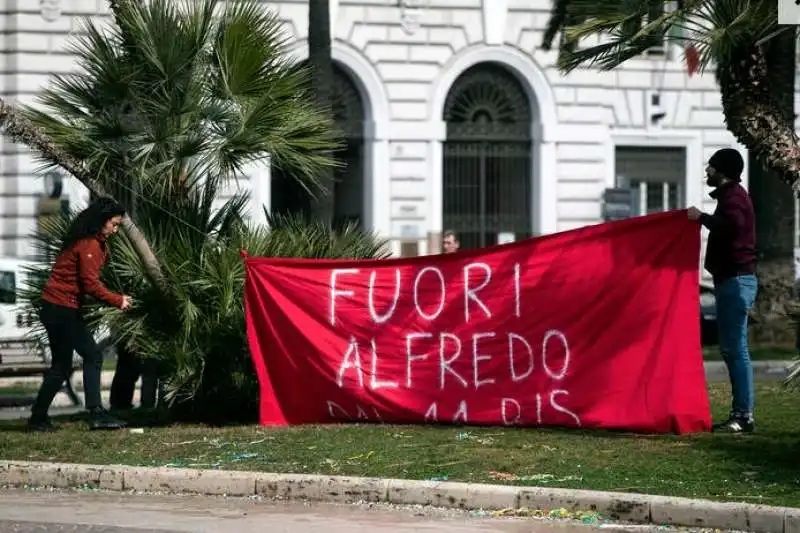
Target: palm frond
pixel 210 86
pixel 627 28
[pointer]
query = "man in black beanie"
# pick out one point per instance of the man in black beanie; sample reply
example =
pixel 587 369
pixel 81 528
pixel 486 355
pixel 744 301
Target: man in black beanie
pixel 731 260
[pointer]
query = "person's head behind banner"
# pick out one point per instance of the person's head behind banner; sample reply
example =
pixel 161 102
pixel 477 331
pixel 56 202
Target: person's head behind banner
pixel 724 166
pixel 450 242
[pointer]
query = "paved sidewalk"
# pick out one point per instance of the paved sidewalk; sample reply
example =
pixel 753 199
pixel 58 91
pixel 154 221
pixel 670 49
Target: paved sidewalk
pixel 77 381
pixel 524 501
pixel 61 400
pixel 61 512
pixel 762 370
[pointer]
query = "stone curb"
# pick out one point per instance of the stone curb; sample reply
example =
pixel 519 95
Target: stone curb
pixel 640 508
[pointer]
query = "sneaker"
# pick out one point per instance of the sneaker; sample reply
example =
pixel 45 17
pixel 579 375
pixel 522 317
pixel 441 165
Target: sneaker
pixel 100 419
pixel 735 424
pixel 40 425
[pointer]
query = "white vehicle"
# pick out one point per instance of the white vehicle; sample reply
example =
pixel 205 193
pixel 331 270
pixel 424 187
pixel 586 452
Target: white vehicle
pixel 15 323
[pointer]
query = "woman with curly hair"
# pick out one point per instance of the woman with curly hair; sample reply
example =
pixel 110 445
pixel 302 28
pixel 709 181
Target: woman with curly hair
pixel 76 275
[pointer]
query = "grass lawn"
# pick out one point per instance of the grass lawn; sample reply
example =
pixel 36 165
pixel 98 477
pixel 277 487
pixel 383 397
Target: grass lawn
pixel 757 353
pixel 759 468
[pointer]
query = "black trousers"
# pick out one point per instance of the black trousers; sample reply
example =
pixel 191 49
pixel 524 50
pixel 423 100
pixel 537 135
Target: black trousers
pixel 67 333
pixel 129 369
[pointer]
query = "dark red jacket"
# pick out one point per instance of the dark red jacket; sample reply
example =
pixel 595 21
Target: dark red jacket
pixel 731 248
pixel 76 273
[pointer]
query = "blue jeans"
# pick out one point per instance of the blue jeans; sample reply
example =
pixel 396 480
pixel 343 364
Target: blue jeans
pixel 735 297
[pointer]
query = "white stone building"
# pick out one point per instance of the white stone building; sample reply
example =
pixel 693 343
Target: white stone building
pixel 455 119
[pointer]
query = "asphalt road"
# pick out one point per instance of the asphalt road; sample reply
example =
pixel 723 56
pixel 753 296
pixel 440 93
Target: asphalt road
pixel 94 512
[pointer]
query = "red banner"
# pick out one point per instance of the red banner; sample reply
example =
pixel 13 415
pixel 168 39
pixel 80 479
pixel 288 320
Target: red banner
pixel 597 327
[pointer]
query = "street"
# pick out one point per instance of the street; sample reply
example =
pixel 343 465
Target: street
pixel 94 512
pixel 715 373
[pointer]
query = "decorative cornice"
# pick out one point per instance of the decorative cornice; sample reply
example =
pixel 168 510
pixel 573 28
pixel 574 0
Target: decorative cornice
pixel 410 14
pixel 50 9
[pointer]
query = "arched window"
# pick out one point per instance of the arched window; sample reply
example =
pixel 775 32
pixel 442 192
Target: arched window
pixel 348 192
pixel 487 158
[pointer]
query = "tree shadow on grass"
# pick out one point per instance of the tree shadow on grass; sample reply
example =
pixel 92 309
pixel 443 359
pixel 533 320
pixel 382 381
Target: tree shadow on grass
pixel 149 418
pixel 770 458
pixel 136 418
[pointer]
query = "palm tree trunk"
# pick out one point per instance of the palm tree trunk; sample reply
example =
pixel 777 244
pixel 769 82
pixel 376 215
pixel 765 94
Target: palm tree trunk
pixel 321 63
pixel 21 130
pixel 774 206
pixel 758 101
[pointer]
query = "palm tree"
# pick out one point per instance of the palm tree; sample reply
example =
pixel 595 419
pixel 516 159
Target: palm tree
pixel 168 105
pixel 195 332
pixel 753 61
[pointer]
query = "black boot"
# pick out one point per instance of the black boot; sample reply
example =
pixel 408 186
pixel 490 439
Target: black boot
pixel 100 419
pixel 40 424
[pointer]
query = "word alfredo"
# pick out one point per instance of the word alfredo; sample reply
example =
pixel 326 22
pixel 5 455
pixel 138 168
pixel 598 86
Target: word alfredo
pixel 416 353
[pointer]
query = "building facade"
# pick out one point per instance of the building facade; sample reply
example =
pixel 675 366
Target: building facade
pixel 454 118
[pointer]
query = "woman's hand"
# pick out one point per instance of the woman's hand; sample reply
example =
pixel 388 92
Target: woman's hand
pixel 126 302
